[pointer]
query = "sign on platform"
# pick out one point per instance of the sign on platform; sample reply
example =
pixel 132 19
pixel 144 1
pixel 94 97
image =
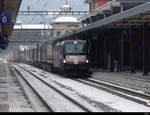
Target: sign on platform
pixel 5 18
pixel 3 42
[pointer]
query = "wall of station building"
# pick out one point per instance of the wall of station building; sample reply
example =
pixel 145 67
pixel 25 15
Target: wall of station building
pixel 63 28
pixel 129 47
pixel 97 3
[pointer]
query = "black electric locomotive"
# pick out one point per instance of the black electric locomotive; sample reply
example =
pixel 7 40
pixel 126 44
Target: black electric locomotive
pixel 71 57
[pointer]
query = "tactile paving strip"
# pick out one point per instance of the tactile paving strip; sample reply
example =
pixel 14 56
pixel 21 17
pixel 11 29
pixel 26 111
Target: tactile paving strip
pixel 14 107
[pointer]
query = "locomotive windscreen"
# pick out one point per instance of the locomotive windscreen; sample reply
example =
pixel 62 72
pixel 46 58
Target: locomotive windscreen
pixel 75 47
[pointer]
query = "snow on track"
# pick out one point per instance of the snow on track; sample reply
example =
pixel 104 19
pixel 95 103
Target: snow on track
pixel 77 89
pixel 55 101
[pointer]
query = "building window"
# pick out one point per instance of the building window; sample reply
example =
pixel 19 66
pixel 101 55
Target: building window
pixel 58 33
pixel 67 31
pixel 45 32
pixel 96 4
pixel 51 33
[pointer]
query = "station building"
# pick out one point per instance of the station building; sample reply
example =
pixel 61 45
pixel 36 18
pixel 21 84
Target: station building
pixel 65 23
pixel 117 43
pixel 104 8
pixel 117 34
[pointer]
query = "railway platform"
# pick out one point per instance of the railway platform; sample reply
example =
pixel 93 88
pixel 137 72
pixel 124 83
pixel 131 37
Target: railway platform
pixel 129 80
pixel 12 96
pixel 15 94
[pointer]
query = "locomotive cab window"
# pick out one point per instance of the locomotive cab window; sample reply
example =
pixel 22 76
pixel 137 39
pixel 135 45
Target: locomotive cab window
pixel 75 48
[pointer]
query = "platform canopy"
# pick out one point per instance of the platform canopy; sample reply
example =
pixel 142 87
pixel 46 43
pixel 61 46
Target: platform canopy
pixel 11 6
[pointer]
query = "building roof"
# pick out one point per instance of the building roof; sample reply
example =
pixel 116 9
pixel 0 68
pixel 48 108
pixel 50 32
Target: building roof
pixel 33 26
pixel 65 19
pixel 66 8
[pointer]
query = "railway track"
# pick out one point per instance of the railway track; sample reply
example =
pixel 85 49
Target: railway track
pixel 12 96
pixel 120 91
pixel 43 101
pixel 75 102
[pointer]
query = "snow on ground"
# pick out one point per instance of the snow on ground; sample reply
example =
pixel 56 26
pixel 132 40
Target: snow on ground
pixel 91 93
pixel 57 103
pixel 3 60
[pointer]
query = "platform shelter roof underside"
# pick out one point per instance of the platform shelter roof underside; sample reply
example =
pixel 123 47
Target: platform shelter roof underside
pixel 13 7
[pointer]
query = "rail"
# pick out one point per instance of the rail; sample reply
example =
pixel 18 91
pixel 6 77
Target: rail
pixel 120 91
pixel 58 91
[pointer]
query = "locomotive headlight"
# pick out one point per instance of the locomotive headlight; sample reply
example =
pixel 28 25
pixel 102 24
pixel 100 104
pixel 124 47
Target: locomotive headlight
pixel 64 61
pixel 87 61
pixel 75 42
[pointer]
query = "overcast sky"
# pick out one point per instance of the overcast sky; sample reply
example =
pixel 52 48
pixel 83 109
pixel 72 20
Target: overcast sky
pixel 40 5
